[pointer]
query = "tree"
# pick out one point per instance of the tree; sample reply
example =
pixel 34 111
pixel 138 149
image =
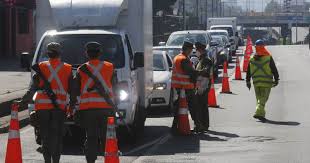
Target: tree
pixel 163 5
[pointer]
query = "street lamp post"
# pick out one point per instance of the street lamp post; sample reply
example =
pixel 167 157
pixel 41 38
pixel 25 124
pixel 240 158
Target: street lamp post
pixel 184 16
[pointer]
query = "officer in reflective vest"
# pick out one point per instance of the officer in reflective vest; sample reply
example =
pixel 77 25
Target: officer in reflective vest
pixel 51 119
pixel 93 108
pixel 184 77
pixel 263 71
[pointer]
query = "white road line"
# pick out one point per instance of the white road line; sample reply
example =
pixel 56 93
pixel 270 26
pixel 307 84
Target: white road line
pixel 159 140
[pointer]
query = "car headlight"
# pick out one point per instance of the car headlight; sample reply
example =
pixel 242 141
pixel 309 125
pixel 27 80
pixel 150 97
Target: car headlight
pixel 160 86
pixel 123 95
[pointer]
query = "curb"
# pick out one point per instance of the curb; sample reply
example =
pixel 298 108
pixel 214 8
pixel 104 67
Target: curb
pixel 6 117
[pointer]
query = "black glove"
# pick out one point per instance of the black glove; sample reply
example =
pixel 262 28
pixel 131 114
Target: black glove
pixel 33 119
pixel 275 83
pixel 248 84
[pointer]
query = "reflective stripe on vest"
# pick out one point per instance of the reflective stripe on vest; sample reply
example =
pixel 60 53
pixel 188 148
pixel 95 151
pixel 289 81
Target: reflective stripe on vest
pixel 42 101
pixel 49 101
pixel 85 98
pixel 179 78
pixel 261 72
pixel 92 99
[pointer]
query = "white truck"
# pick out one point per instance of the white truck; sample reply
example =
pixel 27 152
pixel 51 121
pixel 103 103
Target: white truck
pixel 229 24
pixel 123 27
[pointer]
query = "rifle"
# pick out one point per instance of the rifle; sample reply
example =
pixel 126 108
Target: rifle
pixel 103 92
pixel 46 86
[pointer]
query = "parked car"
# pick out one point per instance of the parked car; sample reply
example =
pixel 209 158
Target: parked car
pixel 175 41
pixel 222 33
pixel 222 49
pixel 162 72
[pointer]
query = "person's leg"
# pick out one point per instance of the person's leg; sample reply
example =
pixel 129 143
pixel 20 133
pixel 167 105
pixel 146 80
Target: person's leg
pixel 260 112
pixel 56 134
pixel 264 98
pixel 44 118
pixel 192 105
pixel 91 128
pixel 102 123
pixel 204 111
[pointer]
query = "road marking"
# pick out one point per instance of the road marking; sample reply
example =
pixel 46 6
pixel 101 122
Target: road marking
pixel 157 141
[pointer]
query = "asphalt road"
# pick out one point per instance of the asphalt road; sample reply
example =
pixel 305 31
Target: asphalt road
pixel 234 137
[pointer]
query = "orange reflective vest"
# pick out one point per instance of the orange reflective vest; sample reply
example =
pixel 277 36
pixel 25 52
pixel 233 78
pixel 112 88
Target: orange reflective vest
pixel 179 78
pixel 58 74
pixel 91 99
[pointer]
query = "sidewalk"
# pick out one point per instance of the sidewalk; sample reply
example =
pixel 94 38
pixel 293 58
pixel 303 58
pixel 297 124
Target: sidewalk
pixel 14 82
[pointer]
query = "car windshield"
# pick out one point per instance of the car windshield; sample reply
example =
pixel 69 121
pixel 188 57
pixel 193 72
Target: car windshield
pixel 178 39
pixel 73 48
pixel 228 29
pixel 158 63
pixel 218 40
pixel 218 33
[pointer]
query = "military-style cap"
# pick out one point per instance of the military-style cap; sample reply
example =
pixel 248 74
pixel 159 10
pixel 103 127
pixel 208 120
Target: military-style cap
pixel 200 45
pixel 187 44
pixel 53 47
pixel 93 46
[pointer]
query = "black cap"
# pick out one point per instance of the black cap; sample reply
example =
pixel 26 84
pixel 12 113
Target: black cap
pixel 53 47
pixel 200 45
pixel 93 46
pixel 188 45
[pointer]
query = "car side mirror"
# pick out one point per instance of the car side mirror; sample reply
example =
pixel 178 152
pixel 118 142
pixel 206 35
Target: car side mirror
pixel 170 68
pixel 213 43
pixel 25 60
pixel 162 43
pixel 237 34
pixel 231 41
pixel 138 60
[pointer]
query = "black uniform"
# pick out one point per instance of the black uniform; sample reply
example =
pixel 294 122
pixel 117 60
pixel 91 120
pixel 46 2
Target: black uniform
pixel 50 123
pixel 94 121
pixel 206 64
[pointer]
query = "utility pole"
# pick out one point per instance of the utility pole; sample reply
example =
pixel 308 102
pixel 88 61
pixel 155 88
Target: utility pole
pixel 212 10
pixel 184 16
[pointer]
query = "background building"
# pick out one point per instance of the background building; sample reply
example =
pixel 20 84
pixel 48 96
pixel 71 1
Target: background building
pixel 17 27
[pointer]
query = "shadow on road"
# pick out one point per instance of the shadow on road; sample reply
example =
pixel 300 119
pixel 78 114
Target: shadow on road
pixel 125 144
pixel 284 123
pixel 159 112
pixel 226 134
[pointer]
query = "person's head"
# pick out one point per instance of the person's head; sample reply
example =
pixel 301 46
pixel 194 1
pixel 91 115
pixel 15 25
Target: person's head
pixel 93 50
pixel 53 50
pixel 259 42
pixel 260 48
pixel 200 47
pixel 187 47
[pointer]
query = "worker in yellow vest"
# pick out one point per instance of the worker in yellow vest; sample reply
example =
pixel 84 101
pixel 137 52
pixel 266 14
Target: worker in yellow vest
pixel 263 71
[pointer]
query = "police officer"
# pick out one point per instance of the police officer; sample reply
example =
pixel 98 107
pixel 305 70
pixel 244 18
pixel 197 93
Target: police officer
pixel 263 71
pixel 184 77
pixel 93 108
pixel 50 119
pixel 203 85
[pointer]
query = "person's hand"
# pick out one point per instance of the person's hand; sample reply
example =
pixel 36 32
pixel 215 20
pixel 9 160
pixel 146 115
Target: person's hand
pixel 275 83
pixel 248 84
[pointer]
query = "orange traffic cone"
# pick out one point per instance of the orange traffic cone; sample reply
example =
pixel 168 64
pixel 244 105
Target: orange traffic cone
pixel 111 147
pixel 212 96
pixel 246 60
pixel 238 75
pixel 183 126
pixel 225 80
pixel 13 149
